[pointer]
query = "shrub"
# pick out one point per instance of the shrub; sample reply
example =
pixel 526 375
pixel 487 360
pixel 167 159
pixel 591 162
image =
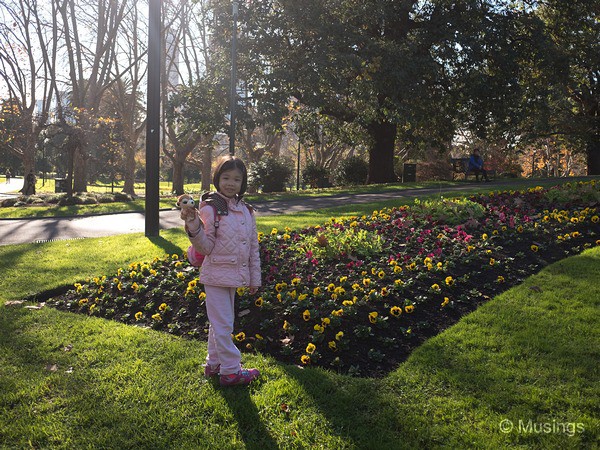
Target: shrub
pixel 106 198
pixel 351 171
pixel 33 199
pixel 270 174
pixel 54 199
pixel 315 176
pixel 69 201
pixel 8 202
pixel 573 192
pixel 88 199
pixel 123 197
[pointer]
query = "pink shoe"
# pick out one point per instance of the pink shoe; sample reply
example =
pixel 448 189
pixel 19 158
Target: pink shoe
pixel 211 371
pixel 243 377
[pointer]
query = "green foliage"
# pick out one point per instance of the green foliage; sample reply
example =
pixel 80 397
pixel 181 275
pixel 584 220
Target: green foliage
pixel 452 212
pixel 269 174
pixel 352 171
pixel 315 176
pixel 334 243
pixel 198 109
pixel 569 192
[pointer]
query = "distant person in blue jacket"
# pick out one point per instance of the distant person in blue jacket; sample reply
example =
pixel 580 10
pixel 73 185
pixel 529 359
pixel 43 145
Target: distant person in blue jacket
pixel 476 165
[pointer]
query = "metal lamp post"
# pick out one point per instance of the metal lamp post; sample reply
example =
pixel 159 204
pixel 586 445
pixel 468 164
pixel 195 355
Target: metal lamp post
pixel 153 120
pixel 233 79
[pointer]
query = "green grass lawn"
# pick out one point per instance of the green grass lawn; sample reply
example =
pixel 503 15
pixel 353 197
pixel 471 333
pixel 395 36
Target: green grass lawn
pixel 526 358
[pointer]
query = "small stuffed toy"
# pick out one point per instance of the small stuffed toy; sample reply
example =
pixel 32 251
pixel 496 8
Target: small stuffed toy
pixel 186 203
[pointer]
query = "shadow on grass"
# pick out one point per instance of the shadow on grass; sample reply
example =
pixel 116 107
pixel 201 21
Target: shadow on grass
pixel 15 346
pixel 357 409
pixel 165 245
pixel 249 422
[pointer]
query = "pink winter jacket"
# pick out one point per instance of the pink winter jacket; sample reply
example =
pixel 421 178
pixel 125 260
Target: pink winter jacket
pixel 232 255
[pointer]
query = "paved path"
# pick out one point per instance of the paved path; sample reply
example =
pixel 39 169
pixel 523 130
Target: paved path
pixel 13 231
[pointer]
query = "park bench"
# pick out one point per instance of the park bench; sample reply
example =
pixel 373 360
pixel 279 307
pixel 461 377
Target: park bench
pixel 461 166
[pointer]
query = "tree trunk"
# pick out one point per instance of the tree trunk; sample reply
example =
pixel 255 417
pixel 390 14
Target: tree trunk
pixel 28 167
pixel 381 153
pixel 178 166
pixel 206 168
pixel 593 155
pixel 28 159
pixel 80 171
pixel 129 176
pixel 70 172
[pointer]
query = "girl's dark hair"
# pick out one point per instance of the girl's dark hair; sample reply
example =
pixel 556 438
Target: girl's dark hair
pixel 230 162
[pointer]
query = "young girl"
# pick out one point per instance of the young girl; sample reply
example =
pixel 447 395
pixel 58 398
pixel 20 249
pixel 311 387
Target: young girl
pixel 230 244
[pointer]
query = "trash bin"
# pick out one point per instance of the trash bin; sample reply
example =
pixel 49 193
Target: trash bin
pixel 60 185
pixel 409 172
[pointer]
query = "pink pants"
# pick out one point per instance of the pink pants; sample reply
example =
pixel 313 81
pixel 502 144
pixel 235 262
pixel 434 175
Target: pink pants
pixel 221 314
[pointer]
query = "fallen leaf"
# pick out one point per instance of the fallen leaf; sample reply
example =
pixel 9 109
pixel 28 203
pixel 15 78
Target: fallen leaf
pixel 69 370
pixel 52 367
pixel 38 306
pixel 535 288
pixel 243 313
pixel 14 303
pixel 68 348
pixel 287 340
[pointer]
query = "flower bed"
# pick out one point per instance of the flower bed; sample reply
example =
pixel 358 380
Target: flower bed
pixel 357 295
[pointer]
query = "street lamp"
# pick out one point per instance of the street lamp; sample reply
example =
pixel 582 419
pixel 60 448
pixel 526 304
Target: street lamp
pixel 233 79
pixel 153 120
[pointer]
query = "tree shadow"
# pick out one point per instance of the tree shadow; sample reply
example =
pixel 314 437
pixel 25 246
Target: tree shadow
pixel 165 245
pixel 16 346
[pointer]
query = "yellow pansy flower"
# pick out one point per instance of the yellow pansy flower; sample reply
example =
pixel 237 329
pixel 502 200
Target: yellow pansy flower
pixel 395 311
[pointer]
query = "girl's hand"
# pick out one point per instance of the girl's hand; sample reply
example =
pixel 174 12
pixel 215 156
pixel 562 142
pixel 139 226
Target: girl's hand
pixel 253 290
pixel 188 214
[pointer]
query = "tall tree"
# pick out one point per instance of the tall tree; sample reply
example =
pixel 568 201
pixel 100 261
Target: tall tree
pixel 388 66
pixel 91 29
pixel 129 69
pixel 572 64
pixel 194 90
pixel 195 114
pixel 27 71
